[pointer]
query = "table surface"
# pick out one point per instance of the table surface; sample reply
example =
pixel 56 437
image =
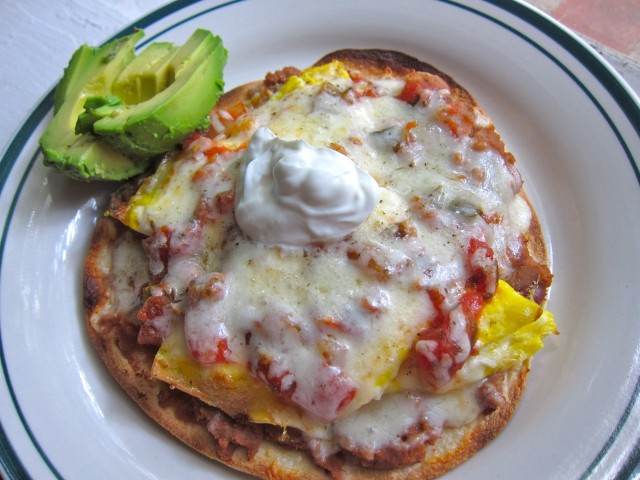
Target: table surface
pixel 49 32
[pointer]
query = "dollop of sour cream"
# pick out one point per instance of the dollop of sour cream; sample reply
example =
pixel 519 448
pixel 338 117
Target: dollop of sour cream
pixel 290 193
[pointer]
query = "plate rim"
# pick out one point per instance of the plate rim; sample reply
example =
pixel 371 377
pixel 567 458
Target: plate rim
pixel 626 100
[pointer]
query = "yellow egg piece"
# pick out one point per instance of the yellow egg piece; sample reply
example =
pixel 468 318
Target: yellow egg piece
pixel 510 330
pixel 506 312
pixel 229 386
pixel 163 198
pixel 313 76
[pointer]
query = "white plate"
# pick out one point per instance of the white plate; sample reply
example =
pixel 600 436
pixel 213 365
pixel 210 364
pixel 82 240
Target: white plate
pixel 571 122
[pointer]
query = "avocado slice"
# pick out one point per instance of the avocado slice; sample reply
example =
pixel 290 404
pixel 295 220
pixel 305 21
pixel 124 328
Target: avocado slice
pixel 90 72
pixel 193 75
pixel 115 111
pixel 147 74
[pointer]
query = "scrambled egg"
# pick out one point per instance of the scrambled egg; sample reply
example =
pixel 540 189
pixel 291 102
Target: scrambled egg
pixel 510 330
pixel 165 198
pixel 313 76
pixel 213 385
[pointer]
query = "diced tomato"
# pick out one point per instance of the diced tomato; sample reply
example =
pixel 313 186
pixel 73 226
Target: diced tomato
pixel 437 299
pixel 347 398
pixel 419 83
pixel 458 117
pixel 438 331
pixel 439 351
pixel 236 110
pixel 483 268
pixel 216 149
pixel 282 383
pixel 325 395
pixel 217 351
pixel 153 307
pixel 441 348
pixel 201 175
pixel 209 348
pixel 475 245
pixel 334 392
pixel 472 304
pixel 411 91
pixel 186 143
pixel 220 147
pixel 206 334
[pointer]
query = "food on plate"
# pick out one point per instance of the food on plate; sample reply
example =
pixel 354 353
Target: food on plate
pixel 341 277
pixel 114 111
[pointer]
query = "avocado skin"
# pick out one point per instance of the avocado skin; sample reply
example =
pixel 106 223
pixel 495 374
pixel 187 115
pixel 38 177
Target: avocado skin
pixel 90 72
pixel 88 159
pixel 159 124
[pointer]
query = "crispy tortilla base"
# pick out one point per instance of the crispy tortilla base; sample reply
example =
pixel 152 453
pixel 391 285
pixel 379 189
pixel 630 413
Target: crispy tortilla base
pixel 116 252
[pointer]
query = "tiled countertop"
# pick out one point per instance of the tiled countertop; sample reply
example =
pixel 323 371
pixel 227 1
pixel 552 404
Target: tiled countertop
pixel 614 24
pixel 611 26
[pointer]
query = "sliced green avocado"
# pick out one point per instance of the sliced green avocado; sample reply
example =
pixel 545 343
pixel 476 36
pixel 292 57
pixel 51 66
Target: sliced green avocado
pixel 156 125
pixel 95 109
pixel 114 111
pixel 147 74
pixel 91 72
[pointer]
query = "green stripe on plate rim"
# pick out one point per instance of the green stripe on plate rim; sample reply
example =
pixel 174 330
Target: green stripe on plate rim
pixel 9 460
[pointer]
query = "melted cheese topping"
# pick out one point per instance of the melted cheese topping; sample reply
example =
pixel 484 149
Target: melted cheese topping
pixel 319 331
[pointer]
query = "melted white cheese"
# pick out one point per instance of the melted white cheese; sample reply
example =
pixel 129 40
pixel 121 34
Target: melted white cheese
pixel 329 325
pixel 388 420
